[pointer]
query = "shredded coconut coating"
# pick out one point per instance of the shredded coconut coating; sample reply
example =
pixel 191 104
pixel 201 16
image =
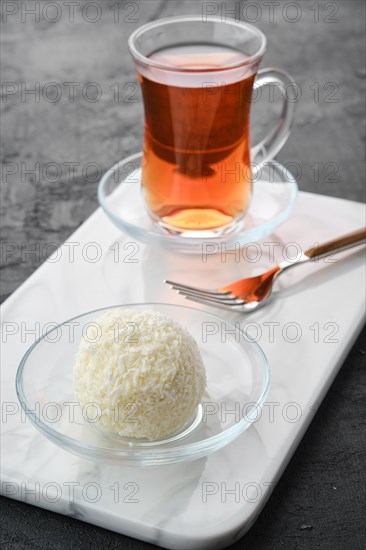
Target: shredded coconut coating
pixel 144 372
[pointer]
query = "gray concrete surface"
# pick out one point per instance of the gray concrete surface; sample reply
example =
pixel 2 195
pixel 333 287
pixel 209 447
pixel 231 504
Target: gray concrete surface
pixel 318 502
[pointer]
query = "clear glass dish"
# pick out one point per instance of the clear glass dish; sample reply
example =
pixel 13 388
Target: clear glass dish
pixel 121 197
pixel 237 385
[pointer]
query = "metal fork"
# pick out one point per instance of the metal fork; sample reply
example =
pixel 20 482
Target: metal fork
pixel 253 292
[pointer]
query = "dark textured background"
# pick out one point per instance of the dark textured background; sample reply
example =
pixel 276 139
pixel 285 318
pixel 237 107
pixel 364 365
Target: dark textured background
pixel 320 500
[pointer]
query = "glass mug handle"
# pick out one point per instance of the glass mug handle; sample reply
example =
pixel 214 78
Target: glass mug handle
pixel 277 137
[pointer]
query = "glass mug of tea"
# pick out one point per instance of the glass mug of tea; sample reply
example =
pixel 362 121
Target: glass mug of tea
pixel 197 79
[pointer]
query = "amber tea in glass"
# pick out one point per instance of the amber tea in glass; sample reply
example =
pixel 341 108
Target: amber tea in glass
pixel 197 80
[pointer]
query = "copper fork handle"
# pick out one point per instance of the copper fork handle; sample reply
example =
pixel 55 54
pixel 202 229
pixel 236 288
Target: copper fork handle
pixel 337 245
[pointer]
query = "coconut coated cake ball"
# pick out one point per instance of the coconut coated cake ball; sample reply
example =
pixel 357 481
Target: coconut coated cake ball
pixel 143 371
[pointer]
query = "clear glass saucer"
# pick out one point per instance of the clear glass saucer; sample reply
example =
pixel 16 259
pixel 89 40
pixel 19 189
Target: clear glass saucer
pixel 237 385
pixel 120 196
